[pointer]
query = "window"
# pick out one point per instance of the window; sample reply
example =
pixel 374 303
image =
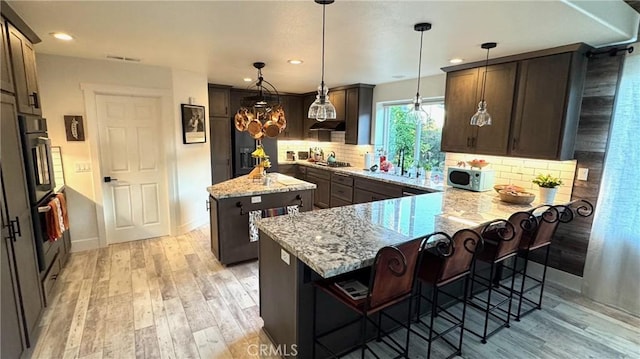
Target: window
pixel 401 135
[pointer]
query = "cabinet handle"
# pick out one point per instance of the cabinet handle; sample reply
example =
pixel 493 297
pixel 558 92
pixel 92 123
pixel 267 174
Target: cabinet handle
pixel 515 144
pixel 468 141
pixel 33 100
pixel 208 205
pixel 473 141
pixel 16 232
pixel 239 205
pixel 299 198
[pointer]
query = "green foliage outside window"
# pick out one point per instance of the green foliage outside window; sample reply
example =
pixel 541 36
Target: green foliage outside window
pixel 402 137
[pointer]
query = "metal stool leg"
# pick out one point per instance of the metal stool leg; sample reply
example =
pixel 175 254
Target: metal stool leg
pixel 313 328
pixel 486 314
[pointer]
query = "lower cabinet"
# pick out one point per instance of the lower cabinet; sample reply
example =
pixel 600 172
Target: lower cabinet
pixel 322 179
pixel 341 190
pixel 368 191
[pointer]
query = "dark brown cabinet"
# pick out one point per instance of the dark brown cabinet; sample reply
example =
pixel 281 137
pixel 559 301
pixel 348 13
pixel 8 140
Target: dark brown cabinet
pixel 369 190
pixel 21 247
pixel 307 134
pixel 534 100
pixel 322 179
pixel 359 104
pixel 338 100
pixel 292 105
pixel 547 109
pixel 219 101
pixel 341 189
pixel 462 95
pixel 23 61
pixel 220 137
pixel 5 65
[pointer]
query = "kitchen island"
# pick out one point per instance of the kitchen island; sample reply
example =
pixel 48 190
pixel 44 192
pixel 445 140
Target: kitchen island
pixel 237 204
pixel 296 250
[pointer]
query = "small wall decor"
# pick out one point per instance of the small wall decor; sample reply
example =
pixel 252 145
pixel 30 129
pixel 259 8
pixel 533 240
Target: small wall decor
pixel 74 127
pixel 193 124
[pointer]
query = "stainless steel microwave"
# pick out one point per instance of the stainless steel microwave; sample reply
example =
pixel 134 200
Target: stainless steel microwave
pixel 470 179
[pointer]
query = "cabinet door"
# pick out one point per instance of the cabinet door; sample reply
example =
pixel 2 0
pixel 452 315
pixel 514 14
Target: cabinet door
pixel 338 99
pixel 351 117
pixel 539 118
pixel 295 118
pixel 24 71
pixel 322 194
pixel 460 103
pixel 17 201
pixel 499 94
pixel 220 136
pixel 6 75
pixel 218 101
pixel 308 122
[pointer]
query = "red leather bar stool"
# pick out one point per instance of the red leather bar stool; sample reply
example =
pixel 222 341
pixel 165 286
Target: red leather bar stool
pixel 390 282
pixel 540 239
pixel 501 242
pixel 442 266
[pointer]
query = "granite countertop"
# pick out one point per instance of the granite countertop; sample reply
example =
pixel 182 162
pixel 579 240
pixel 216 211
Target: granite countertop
pixel 418 183
pixel 243 186
pixel 338 240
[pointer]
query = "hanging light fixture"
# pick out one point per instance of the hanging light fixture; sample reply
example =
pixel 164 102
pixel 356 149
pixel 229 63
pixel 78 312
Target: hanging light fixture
pixel 261 113
pixel 482 116
pixel 416 113
pixel 322 109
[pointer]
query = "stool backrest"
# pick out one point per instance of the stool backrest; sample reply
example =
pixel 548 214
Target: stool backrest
pixel 458 253
pixel 393 272
pixel 547 224
pixel 509 233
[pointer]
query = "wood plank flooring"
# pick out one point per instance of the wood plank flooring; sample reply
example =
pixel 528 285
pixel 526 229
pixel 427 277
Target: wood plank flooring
pixel 170 298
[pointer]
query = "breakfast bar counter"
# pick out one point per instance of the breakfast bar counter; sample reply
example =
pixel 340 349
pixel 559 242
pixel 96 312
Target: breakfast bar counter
pixel 296 249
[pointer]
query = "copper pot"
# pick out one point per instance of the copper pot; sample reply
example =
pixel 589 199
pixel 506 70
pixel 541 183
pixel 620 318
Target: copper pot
pixel 271 129
pixel 242 119
pixel 255 128
pixel 277 116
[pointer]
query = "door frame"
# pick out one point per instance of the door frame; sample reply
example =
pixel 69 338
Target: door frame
pixel 90 92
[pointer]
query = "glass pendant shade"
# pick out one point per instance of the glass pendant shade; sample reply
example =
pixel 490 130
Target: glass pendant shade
pixel 417 114
pixel 322 109
pixel 482 116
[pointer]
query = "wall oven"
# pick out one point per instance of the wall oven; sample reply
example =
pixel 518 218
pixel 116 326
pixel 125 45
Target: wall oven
pixel 37 156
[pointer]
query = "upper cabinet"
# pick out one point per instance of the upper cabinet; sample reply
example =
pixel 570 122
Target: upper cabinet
pixel 358 108
pixel 24 70
pixel 338 99
pixel 292 106
pixel 533 99
pixel 5 65
pixel 219 101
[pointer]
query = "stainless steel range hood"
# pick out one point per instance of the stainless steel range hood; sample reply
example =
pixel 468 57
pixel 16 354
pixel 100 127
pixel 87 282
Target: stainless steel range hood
pixel 328 126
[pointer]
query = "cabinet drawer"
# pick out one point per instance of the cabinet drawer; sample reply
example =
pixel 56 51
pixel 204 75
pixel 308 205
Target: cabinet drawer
pixel 49 280
pixel 337 202
pixel 386 189
pixel 324 174
pixel 341 191
pixel 342 179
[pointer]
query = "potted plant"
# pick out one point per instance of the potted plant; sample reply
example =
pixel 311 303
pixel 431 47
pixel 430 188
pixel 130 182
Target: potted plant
pixel 427 171
pixel 548 187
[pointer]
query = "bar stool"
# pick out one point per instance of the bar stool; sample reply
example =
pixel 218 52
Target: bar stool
pixel 391 281
pixel 547 223
pixel 501 242
pixel 441 266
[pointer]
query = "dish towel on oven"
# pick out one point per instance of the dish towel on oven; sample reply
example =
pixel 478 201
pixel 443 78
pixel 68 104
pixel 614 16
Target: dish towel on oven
pixel 254 216
pixel 57 220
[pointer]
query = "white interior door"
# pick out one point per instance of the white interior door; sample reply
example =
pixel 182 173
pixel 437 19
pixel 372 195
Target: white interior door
pixel 136 204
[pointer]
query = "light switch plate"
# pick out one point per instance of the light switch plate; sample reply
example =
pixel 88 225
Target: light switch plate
pixel 285 256
pixel 583 174
pixel 83 167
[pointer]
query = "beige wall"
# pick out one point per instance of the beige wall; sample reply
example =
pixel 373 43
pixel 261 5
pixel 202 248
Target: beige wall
pixel 59 79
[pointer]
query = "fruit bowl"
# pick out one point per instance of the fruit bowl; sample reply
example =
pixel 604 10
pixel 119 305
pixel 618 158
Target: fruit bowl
pixel 477 164
pixel 508 187
pixel 516 197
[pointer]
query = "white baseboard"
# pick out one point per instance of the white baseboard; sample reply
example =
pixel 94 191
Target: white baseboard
pixel 81 245
pixel 567 280
pixel 192 224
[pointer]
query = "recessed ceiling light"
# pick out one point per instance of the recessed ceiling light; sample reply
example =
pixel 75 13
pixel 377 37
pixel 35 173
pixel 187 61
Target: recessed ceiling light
pixel 247 79
pixel 456 61
pixel 62 36
pixel 295 62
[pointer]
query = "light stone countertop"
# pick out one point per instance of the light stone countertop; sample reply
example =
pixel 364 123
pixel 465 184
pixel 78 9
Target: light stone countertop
pixel 418 183
pixel 342 239
pixel 243 186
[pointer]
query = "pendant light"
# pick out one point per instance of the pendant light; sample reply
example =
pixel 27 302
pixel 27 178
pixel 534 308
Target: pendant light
pixel 416 113
pixel 482 116
pixel 322 109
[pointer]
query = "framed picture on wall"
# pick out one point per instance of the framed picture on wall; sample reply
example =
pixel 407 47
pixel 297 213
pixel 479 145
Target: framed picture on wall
pixel 193 128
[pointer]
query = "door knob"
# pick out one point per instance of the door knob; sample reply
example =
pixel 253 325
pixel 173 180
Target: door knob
pixel 108 179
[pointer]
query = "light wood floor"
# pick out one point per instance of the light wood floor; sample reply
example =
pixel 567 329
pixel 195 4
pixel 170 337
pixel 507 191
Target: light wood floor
pixel 170 298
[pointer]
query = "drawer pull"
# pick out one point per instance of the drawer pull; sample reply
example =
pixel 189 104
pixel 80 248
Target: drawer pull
pixel 239 205
pixel 299 198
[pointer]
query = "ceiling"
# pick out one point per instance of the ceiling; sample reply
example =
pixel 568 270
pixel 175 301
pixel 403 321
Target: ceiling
pixel 366 41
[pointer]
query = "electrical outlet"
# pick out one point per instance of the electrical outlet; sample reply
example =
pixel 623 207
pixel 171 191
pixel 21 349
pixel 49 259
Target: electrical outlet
pixel 285 256
pixel 583 173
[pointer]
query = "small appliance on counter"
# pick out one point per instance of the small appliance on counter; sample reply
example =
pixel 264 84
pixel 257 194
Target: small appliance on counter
pixel 291 156
pixel 471 179
pixel 303 155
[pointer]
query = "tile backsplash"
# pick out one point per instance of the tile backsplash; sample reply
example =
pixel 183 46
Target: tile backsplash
pixel 521 171
pixel 344 153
